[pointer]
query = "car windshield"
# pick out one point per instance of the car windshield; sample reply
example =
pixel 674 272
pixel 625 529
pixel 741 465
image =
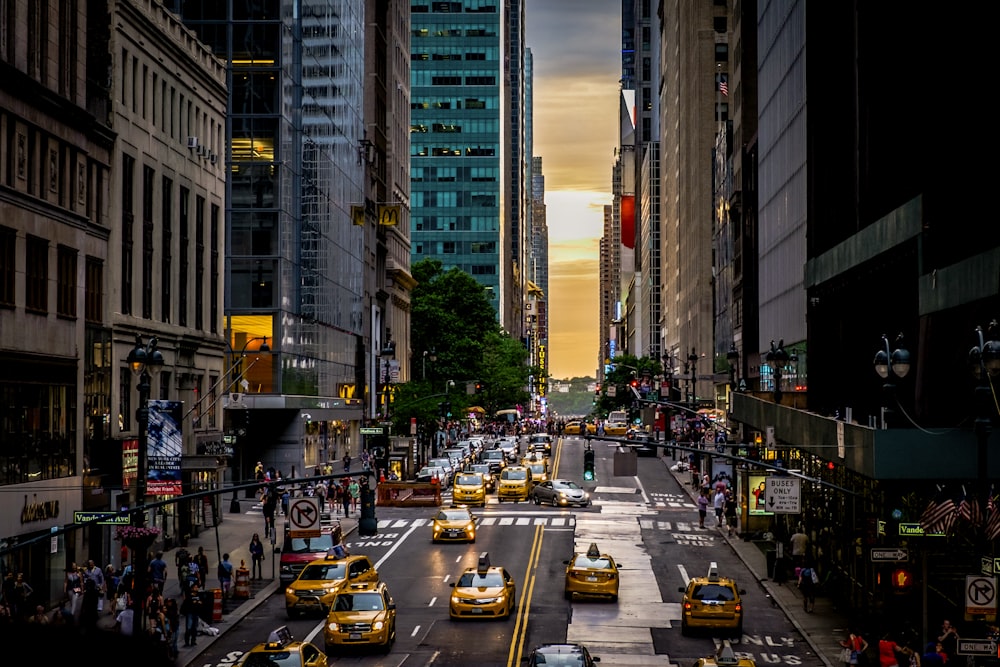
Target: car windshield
pixel 713 592
pixel 476 580
pixel 274 658
pixel 302 545
pixel 559 659
pixel 453 515
pixel 474 480
pixel 359 602
pixel 592 563
pixel 566 486
pixel 514 474
pixel 493 454
pixel 439 462
pixel 537 468
pixel 324 571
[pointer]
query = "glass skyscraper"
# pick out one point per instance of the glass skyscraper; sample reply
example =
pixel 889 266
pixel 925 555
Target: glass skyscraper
pixel 458 115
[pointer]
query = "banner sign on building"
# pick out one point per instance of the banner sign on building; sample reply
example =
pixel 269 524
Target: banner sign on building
pixel 758 495
pixel 164 448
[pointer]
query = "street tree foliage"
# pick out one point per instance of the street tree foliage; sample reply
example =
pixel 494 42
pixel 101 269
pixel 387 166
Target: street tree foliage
pixel 620 375
pixel 452 319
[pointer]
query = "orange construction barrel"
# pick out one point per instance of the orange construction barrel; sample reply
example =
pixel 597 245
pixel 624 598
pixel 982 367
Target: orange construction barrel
pixel 216 605
pixel 241 583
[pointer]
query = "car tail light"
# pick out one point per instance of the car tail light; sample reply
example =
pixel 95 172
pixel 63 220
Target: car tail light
pixel 739 607
pixel 687 606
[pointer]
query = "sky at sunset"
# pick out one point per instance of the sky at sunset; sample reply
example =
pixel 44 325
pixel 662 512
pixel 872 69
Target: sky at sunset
pixel 576 50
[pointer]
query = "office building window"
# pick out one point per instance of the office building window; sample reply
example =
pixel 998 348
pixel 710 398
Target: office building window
pixel 94 291
pixel 199 262
pixel 182 274
pixel 36 275
pixel 128 218
pixel 8 244
pixel 66 282
pixel 213 298
pixel 148 176
pixel 166 246
pixel 125 399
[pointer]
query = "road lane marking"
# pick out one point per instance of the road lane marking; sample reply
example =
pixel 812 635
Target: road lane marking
pixel 524 604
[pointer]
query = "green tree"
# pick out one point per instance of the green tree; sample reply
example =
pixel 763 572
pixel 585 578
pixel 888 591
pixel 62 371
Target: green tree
pixel 451 314
pixel 623 371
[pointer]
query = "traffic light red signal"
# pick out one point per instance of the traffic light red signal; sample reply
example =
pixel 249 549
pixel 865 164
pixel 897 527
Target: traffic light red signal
pixel 634 383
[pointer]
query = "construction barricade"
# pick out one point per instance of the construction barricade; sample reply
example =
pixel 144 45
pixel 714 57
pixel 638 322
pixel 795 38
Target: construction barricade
pixel 241 582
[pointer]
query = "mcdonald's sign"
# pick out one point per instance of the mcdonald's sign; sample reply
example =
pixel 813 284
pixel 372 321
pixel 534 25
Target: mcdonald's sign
pixel 358 215
pixel 388 215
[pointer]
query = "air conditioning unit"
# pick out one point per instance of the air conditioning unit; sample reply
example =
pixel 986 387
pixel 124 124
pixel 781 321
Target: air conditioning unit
pixel 192 142
pixel 213 158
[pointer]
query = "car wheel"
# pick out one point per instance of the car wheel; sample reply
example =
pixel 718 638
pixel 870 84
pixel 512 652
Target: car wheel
pixel 685 631
pixel 739 631
pixel 538 501
pixel 568 595
pixel 614 598
pixel 555 503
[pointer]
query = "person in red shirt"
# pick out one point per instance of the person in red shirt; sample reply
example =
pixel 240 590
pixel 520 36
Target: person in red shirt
pixel 887 652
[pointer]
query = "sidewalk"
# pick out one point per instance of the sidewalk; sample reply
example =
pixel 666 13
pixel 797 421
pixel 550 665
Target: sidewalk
pixel 823 629
pixel 234 535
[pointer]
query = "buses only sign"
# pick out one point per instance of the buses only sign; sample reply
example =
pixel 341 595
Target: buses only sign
pixel 781 494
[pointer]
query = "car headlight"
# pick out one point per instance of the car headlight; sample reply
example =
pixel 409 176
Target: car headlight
pixel 289 591
pixel 470 527
pixel 378 625
pixel 586 495
pixel 333 627
pixel 489 600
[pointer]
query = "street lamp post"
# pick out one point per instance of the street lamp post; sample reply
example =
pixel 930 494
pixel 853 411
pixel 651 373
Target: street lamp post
pixel 423 367
pixel 776 358
pixel 895 363
pixel 733 357
pixel 692 363
pixel 985 361
pixel 145 361
pixel 234 504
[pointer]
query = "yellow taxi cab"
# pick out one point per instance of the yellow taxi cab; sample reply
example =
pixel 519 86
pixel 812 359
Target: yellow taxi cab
pixel 515 484
pixel 591 428
pixel 313 590
pixel 591 574
pixel 281 650
pixel 484 591
pixel 534 457
pixel 725 657
pixel 363 614
pixel 712 603
pixel 454 524
pixel 574 428
pixel 616 428
pixel 539 472
pixel 469 488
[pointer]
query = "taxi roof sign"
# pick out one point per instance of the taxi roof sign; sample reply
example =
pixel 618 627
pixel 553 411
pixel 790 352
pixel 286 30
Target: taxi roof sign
pixel 726 656
pixel 713 571
pixel 593 551
pixel 280 636
pixel 484 563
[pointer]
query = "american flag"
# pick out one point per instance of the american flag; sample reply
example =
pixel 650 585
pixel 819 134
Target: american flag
pixel 940 512
pixel 992 518
pixel 975 513
pixel 964 509
pixel 724 86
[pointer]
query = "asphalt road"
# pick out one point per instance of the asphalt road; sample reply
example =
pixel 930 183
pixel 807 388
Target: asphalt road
pixel 647 522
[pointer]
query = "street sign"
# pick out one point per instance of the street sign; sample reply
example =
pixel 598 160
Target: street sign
pixel 890 555
pixel 303 517
pixel 977 647
pixel 102 518
pixel 781 494
pixel 980 595
pixel 371 430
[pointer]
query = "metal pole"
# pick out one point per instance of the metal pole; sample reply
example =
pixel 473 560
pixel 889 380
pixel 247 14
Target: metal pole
pixel 139 519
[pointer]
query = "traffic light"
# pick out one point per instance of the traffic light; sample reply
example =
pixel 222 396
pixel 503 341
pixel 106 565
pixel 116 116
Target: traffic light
pixel 588 465
pixel 445 409
pixel 479 387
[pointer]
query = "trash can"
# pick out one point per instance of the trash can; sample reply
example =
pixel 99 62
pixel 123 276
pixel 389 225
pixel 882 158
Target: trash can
pixel 772 556
pixel 207 603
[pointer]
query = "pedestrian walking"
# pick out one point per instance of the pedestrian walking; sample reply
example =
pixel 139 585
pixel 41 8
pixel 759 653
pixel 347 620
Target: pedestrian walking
pixel 181 559
pixel 354 489
pixel 948 638
pixel 269 499
pixel 854 649
pixel 73 590
pixel 256 556
pixel 172 616
pixel 702 507
pixel 111 581
pixel 800 546
pixel 345 499
pixel 719 504
pixel 808 580
pixel 321 494
pixel 225 576
pixel 730 511
pixel 191 610
pixel 158 571
pixel 347 463
pixel 96 574
pixel 125 621
pixel 202 560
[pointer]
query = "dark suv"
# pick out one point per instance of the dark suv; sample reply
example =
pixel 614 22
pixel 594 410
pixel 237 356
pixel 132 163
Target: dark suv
pixel 297 552
pixel 496 458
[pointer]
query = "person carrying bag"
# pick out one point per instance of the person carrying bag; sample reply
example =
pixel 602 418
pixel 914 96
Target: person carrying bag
pixel 854 649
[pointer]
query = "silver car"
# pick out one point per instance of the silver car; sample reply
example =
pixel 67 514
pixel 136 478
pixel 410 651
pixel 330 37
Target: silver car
pixel 560 493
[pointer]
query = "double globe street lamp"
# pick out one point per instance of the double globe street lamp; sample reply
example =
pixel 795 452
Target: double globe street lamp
pixel 145 362
pixel 984 360
pixel 237 365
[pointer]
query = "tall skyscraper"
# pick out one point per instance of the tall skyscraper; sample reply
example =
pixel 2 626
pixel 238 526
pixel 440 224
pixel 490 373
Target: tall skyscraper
pixel 465 120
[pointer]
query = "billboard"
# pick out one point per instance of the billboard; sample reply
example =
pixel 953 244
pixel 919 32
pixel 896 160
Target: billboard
pixel 164 448
pixel 757 497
